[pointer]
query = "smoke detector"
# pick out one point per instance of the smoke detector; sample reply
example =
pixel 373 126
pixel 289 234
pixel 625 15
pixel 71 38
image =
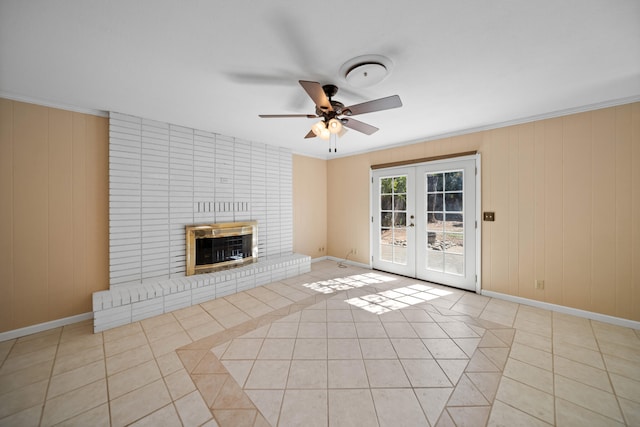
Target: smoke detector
pixel 366 70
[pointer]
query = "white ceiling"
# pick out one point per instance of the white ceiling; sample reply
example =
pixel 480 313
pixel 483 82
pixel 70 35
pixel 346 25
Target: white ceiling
pixel 215 65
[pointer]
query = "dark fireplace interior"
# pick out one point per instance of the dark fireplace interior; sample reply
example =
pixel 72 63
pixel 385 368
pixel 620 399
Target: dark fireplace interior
pixel 211 250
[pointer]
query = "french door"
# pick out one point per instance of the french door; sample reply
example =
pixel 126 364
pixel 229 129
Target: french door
pixel 424 221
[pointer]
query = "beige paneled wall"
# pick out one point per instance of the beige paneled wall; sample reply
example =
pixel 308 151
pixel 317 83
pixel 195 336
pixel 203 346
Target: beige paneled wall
pixel 566 192
pixel 53 213
pixel 309 206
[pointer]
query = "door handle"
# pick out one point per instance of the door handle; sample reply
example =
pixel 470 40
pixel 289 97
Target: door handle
pixel 411 225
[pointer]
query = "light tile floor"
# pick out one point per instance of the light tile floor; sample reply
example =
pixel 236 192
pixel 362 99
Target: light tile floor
pixel 337 346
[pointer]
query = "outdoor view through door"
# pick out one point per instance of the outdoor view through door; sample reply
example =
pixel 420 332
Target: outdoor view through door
pixel 445 225
pixel 393 219
pixel 424 221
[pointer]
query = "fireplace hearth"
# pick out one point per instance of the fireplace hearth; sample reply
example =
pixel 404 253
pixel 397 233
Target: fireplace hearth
pixel 213 247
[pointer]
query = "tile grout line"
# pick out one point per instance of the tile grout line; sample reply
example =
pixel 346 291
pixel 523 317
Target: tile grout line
pixel 46 393
pixel 604 363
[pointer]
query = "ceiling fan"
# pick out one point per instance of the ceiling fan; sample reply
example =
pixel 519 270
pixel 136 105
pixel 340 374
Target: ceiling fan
pixel 334 115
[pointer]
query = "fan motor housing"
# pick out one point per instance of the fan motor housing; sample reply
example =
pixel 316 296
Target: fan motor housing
pixel 337 106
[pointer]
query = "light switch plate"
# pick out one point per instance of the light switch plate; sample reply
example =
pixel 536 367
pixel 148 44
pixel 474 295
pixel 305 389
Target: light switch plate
pixel 489 216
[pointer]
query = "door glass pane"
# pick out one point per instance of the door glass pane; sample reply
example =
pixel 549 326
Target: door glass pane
pixel 434 182
pixel 453 181
pixel 453 202
pixel 393 219
pixel 434 202
pixel 399 202
pixel 386 202
pixel 445 222
pixel 436 241
pixel 400 255
pixel 454 264
pixel 386 253
pixel 454 243
pixel 434 220
pixel 435 260
pixel 454 222
pixel 385 219
pixel 386 185
pixel 400 236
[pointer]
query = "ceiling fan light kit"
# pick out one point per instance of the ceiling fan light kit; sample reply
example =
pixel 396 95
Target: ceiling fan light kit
pixel 317 128
pixel 335 126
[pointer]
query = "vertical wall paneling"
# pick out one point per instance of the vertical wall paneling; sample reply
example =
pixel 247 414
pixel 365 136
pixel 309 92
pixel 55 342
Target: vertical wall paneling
pixel 635 196
pixel 513 204
pixel 61 208
pixel 309 213
pixel 81 211
pixel 165 177
pixel 31 207
pixel 623 212
pixel 96 209
pixel 603 201
pixel 576 192
pixel 7 307
pixel 500 258
pixel 539 201
pixel 554 204
pixel 525 242
pixel 486 195
pixel 53 213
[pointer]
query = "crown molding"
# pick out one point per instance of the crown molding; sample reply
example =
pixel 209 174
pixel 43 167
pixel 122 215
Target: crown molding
pixel 51 104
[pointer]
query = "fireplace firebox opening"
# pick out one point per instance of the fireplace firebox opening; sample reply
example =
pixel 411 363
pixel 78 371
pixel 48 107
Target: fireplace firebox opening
pixel 213 247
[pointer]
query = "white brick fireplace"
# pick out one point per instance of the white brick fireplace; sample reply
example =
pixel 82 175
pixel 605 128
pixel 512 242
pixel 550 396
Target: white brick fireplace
pixel 164 177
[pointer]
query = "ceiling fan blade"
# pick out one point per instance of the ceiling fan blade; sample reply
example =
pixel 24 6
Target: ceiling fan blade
pixel 282 116
pixel 315 91
pixel 310 135
pixel 375 105
pixel 359 126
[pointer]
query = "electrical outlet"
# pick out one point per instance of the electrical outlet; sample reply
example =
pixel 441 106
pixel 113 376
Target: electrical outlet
pixel 539 284
pixel 354 251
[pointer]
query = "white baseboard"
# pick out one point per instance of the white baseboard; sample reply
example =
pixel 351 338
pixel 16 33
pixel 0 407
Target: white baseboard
pixel 28 330
pixel 322 258
pixel 565 310
pixel 349 262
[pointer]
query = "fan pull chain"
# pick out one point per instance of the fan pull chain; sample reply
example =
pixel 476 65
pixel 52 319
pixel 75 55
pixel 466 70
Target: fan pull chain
pixel 334 140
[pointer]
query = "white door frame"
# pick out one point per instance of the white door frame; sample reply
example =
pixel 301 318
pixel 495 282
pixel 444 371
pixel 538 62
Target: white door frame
pixel 478 209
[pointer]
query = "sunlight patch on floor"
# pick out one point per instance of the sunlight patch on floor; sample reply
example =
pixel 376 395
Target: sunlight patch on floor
pixel 345 283
pixel 398 298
